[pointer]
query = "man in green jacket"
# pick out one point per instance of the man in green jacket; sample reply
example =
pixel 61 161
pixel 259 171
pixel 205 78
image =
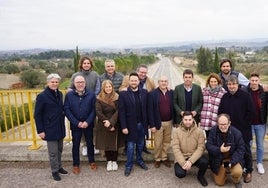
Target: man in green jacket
pixel 187 97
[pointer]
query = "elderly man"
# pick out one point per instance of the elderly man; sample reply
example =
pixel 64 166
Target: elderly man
pixel 226 150
pixel 188 146
pixel 160 114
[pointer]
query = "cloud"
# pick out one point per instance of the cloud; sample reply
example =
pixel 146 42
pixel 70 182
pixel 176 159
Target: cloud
pixel 64 24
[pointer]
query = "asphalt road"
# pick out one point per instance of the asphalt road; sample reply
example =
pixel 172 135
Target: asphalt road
pixel 165 67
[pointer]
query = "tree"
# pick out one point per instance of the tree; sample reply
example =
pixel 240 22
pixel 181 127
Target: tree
pixel 204 58
pixel 12 69
pixel 76 59
pixel 216 61
pixel 32 78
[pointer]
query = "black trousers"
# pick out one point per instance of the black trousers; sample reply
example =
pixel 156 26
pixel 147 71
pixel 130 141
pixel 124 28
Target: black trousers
pixel 201 163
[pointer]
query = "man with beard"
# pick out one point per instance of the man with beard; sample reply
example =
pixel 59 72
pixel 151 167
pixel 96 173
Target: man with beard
pixel 133 119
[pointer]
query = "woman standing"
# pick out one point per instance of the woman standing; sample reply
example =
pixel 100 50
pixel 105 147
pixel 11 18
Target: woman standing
pixel 49 120
pixel 212 95
pixel 107 131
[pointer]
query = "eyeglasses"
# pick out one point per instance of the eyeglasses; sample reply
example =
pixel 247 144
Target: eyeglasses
pixel 81 82
pixel 223 124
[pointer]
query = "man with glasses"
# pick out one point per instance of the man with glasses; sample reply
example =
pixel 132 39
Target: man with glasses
pixel 226 150
pixel 239 106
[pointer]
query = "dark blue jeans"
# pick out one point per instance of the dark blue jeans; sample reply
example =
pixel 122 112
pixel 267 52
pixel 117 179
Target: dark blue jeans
pixel 139 147
pixel 76 138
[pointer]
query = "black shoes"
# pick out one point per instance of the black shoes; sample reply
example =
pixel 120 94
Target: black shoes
pixel 146 151
pixel 127 172
pixel 202 181
pixel 143 166
pixel 62 171
pixel 56 176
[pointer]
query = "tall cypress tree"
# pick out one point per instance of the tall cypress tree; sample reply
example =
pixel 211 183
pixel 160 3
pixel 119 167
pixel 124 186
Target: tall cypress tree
pixel 76 59
pixel 216 61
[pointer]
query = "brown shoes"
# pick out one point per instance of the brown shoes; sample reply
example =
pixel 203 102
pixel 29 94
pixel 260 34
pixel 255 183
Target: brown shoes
pixel 93 166
pixel 157 164
pixel 247 177
pixel 76 170
pixel 167 163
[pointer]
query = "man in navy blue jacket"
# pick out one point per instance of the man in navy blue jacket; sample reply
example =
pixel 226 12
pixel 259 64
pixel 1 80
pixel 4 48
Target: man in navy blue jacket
pixel 133 119
pixel 226 150
pixel 160 114
pixel 239 106
pixel 49 120
pixel 79 107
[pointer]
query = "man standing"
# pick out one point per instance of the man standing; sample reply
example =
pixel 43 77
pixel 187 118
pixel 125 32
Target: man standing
pixel 49 121
pixel 187 97
pixel 145 83
pixel 188 146
pixel 239 106
pixel 226 150
pixel 133 119
pixel 79 107
pixel 160 112
pixel 226 70
pixel 259 98
pixel 111 74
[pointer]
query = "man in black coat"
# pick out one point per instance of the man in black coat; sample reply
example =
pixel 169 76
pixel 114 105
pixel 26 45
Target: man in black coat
pixel 133 119
pixel 239 106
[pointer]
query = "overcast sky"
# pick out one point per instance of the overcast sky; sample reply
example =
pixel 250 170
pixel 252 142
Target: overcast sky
pixel 63 24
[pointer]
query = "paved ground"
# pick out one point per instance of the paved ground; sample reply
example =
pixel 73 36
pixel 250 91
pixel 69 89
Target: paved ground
pixel 37 174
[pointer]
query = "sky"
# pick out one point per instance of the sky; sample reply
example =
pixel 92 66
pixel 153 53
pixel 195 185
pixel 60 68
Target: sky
pixel 65 24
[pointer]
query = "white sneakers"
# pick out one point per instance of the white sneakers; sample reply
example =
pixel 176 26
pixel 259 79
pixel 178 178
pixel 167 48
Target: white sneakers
pixel 112 166
pixel 96 151
pixel 115 166
pixel 109 166
pixel 260 168
pixel 84 150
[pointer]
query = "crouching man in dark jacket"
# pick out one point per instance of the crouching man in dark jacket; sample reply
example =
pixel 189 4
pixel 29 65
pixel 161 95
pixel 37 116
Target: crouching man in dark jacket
pixel 226 150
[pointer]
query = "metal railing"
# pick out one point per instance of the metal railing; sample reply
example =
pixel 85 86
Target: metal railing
pixel 17 120
pixel 16 117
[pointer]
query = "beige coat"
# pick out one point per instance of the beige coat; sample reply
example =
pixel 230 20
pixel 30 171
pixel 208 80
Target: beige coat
pixel 188 144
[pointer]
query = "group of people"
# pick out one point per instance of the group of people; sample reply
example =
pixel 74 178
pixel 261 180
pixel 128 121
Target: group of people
pixel 229 109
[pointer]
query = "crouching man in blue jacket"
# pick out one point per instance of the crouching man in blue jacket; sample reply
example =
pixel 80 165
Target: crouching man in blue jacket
pixel 226 150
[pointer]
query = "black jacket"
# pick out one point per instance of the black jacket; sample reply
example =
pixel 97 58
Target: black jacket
pixel 214 143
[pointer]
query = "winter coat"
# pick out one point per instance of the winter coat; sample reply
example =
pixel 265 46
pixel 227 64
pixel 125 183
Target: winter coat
pixel 80 108
pixel 180 103
pixel 128 114
pixel 214 143
pixel 188 144
pixel 49 115
pixel 153 107
pixel 105 139
pixel 240 108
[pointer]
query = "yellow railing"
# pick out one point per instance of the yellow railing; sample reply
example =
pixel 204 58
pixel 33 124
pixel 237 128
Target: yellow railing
pixel 16 117
pixel 17 121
